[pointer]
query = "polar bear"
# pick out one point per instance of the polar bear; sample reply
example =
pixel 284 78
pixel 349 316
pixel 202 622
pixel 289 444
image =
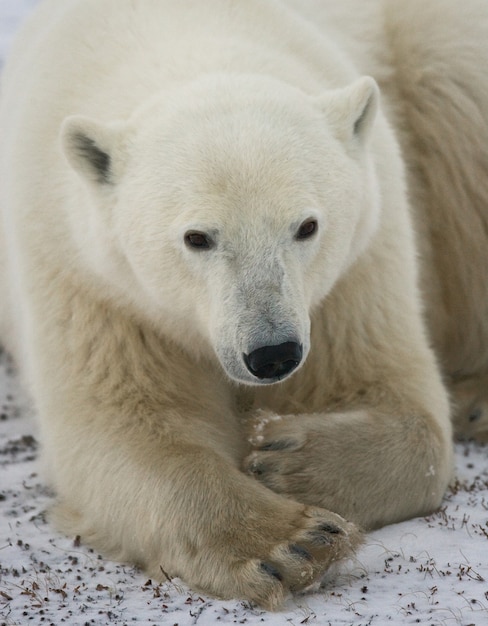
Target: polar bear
pixel 217 244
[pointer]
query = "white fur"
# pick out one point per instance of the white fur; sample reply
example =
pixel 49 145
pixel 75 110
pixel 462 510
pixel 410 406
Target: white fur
pixel 124 127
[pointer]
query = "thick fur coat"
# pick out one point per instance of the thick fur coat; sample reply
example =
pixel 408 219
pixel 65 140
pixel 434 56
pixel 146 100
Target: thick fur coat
pixel 242 282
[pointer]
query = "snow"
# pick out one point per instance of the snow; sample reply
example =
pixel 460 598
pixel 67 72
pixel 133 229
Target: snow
pixel 425 571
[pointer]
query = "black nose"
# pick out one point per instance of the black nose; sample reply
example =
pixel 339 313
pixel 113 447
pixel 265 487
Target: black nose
pixel 274 362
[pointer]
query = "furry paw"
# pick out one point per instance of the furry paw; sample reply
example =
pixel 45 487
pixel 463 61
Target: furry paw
pixel 280 458
pixel 472 422
pixel 297 561
pixel 470 410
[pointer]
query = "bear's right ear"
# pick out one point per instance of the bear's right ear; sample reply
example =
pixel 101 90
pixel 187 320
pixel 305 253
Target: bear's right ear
pixel 90 148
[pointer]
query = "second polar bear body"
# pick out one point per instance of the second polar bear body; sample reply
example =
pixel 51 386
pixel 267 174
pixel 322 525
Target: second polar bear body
pixel 188 184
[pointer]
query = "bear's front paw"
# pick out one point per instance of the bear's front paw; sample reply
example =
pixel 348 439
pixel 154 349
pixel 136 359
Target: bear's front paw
pixel 470 409
pixel 295 561
pixel 472 422
pixel 279 458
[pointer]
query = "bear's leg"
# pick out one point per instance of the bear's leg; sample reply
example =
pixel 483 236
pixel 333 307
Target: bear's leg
pixel 143 449
pixel 372 468
pixel 193 515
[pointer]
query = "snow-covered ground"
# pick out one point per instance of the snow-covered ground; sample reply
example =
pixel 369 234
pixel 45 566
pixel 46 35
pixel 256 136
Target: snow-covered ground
pixel 426 571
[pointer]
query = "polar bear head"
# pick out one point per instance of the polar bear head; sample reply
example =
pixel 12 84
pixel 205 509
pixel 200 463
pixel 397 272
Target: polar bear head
pixel 227 208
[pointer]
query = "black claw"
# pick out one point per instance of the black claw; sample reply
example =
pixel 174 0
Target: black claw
pixel 301 552
pixel 318 538
pixel 475 415
pixel 271 571
pixel 258 469
pixel 273 446
pixel 327 527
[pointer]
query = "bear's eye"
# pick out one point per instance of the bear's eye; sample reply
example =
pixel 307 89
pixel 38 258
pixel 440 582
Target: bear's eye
pixel 199 241
pixel 307 229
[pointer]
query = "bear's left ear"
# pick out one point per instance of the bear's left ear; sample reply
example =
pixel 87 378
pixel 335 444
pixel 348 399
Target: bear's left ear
pixel 91 148
pixel 352 110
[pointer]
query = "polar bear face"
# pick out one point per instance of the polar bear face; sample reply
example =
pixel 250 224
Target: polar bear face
pixel 235 203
